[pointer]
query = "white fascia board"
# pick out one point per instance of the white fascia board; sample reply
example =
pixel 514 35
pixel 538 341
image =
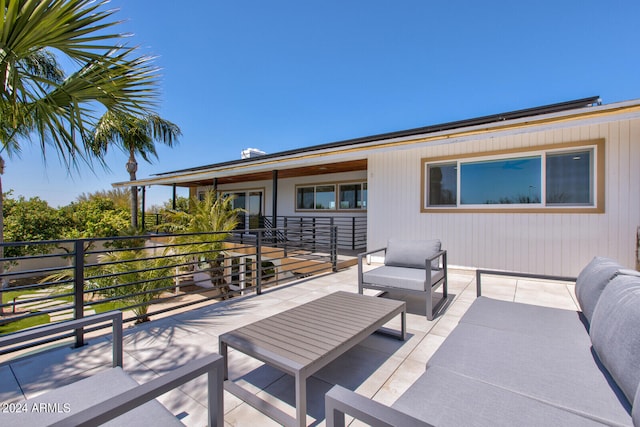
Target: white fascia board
pixel 582 117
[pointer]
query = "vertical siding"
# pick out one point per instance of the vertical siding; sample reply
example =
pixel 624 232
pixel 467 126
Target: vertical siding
pixel 534 242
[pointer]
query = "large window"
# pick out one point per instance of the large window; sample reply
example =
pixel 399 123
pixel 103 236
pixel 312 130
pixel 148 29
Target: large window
pixel 353 196
pixel 349 196
pixel 561 178
pixel 316 197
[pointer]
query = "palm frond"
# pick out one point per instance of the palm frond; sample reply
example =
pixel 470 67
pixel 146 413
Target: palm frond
pixel 62 112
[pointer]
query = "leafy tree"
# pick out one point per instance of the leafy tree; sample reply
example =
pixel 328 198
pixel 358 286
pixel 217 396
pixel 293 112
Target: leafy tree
pixel 182 204
pixel 119 196
pixel 135 135
pixel 95 217
pixel 29 220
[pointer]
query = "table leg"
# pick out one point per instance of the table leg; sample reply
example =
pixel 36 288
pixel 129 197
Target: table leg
pixel 223 352
pixel 403 321
pixel 301 400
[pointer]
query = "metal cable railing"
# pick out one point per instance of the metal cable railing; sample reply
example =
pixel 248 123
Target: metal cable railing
pixel 144 276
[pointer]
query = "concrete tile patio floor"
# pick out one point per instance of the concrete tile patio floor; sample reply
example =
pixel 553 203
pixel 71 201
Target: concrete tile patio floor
pixel 380 367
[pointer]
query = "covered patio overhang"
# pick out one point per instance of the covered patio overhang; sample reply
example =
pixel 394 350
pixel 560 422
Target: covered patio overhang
pixel 242 171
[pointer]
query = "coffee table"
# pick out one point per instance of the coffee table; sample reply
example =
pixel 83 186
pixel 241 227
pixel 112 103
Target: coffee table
pixel 302 340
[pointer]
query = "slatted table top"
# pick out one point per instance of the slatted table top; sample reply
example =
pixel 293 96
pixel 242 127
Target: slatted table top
pixel 306 336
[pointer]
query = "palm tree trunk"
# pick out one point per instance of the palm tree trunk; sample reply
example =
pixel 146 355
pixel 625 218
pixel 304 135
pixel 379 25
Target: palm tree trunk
pixel 132 168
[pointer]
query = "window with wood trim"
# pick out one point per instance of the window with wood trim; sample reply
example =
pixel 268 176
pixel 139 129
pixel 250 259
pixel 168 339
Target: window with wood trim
pixel 349 196
pixel 551 178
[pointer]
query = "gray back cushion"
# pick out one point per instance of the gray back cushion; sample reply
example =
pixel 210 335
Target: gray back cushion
pixel 592 280
pixel 411 253
pixel 615 332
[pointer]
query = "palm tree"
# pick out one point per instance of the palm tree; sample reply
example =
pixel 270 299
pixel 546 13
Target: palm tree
pixel 39 102
pixel 135 135
pixel 203 230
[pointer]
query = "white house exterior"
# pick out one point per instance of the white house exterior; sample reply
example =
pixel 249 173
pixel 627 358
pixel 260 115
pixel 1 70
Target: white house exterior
pixel 540 190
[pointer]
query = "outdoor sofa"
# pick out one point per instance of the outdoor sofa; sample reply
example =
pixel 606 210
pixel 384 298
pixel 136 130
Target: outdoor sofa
pixel 410 266
pixel 508 363
pixel 111 396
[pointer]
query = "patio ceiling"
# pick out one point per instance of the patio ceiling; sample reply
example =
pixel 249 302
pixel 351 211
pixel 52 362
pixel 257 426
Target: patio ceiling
pixel 320 169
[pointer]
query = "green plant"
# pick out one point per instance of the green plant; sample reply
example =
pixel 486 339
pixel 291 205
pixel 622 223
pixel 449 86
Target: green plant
pixel 134 277
pixel 211 218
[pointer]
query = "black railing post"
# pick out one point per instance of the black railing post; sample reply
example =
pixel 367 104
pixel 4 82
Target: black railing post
pixel 259 262
pixel 353 233
pixel 78 289
pixel 300 238
pixel 315 237
pixel 144 197
pixel 331 224
pixel 334 247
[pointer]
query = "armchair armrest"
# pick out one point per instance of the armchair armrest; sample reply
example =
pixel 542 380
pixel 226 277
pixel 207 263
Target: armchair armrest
pixel 340 401
pixel 212 365
pixel 480 272
pixel 442 253
pixel 32 334
pixel 364 254
pixel 360 261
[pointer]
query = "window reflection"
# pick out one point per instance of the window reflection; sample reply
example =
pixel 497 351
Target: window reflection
pixel 569 178
pixel 305 197
pixel 513 181
pixel 443 181
pixel 325 197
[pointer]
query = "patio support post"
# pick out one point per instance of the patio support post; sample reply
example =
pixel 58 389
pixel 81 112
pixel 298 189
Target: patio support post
pixel 286 234
pixel 259 262
pixel 274 200
pixel 78 289
pixel 173 205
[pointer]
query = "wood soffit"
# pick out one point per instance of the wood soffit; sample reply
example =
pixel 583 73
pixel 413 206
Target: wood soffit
pixel 350 166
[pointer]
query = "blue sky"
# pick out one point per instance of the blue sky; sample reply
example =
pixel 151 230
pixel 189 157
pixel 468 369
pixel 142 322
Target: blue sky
pixel 286 74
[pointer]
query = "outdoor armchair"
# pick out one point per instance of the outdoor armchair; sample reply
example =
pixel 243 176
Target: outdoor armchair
pixel 410 266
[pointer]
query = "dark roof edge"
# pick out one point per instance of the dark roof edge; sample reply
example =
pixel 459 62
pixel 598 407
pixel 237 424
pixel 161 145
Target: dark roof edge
pixel 512 115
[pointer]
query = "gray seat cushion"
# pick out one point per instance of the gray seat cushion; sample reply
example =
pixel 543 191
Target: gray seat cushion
pixel 85 393
pixel 564 373
pixel 526 319
pixel 414 279
pixel 592 280
pixel 444 398
pixel 411 253
pixel 615 332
